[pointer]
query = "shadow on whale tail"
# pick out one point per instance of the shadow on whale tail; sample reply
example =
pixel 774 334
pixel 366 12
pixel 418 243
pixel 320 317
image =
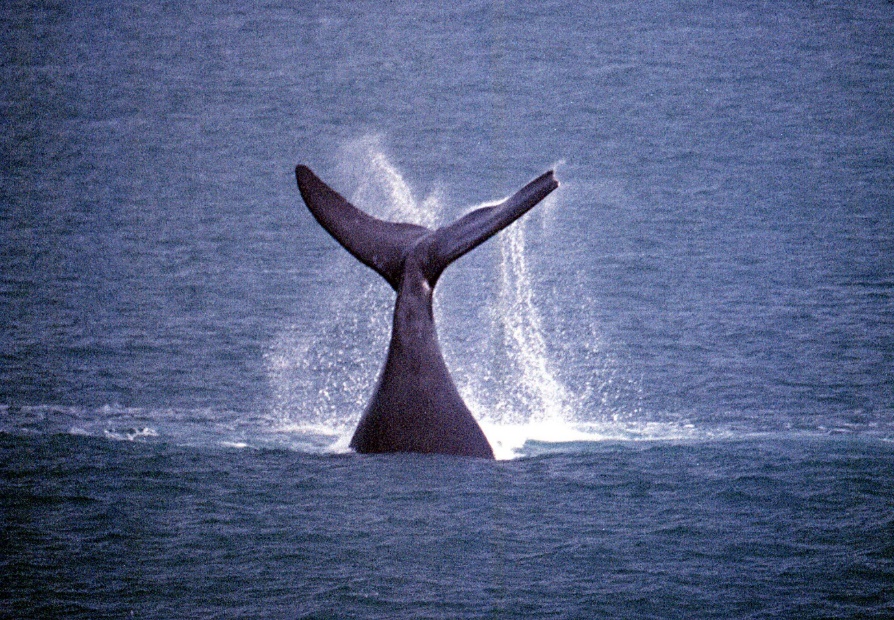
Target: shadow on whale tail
pixel 383 245
pixel 416 406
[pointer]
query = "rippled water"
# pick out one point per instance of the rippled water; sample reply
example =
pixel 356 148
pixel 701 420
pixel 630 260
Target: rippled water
pixel 778 528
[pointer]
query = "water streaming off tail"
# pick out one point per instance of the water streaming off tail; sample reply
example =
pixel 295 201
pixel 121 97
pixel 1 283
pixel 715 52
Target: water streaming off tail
pixel 377 187
pixel 525 398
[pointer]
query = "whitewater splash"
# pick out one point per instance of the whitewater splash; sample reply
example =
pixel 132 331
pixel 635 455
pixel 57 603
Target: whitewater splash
pixel 323 372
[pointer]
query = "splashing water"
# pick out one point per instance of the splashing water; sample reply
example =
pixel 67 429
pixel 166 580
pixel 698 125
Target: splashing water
pixel 529 400
pixel 546 397
pixel 380 188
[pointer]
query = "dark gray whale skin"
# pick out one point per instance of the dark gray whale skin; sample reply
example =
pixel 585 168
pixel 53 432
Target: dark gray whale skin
pixel 416 406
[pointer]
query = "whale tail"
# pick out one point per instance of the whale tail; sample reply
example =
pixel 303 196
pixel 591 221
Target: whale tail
pixel 382 245
pixel 416 406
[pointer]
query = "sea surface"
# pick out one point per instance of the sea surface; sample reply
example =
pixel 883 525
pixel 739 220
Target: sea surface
pixel 683 358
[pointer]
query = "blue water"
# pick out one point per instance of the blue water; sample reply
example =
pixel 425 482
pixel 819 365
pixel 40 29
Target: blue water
pixel 684 358
pixel 783 528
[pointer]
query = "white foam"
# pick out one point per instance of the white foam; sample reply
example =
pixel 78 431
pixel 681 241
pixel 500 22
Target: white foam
pixel 508 440
pixel 234 444
pixel 132 434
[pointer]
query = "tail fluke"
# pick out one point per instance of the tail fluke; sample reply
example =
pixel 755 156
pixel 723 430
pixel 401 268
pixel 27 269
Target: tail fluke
pixel 376 243
pixel 471 230
pixel 383 245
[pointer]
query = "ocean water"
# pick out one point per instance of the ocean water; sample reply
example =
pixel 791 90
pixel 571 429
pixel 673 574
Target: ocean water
pixel 683 358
